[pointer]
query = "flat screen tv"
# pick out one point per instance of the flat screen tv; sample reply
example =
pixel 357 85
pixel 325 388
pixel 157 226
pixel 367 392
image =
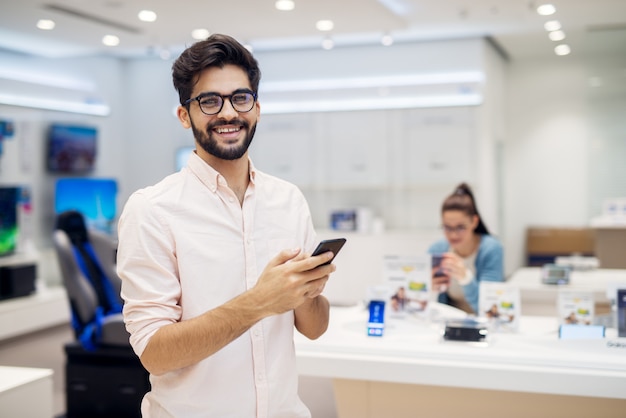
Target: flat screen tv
pixel 95 198
pixel 71 148
pixel 9 197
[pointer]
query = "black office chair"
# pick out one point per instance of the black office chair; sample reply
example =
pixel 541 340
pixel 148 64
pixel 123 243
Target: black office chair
pixel 87 261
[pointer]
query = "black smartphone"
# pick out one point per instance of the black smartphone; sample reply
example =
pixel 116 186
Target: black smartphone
pixel 333 245
pixel 436 263
pixel 376 321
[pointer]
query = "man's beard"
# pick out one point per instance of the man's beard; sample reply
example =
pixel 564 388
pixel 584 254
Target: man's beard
pixel 209 144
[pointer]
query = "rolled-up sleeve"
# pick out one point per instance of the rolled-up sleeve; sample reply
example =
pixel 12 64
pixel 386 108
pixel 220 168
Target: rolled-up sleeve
pixel 146 263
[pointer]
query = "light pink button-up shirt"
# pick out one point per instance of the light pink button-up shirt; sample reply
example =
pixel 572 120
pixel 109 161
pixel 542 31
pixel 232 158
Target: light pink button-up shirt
pixel 186 246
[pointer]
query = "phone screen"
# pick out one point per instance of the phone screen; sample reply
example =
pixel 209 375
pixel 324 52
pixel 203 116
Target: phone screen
pixel 376 322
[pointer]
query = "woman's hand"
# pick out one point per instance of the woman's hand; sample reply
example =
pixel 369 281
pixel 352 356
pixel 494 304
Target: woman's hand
pixel 453 266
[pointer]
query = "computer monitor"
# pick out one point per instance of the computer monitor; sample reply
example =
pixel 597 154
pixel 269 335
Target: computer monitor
pixel 71 148
pixel 95 198
pixel 9 231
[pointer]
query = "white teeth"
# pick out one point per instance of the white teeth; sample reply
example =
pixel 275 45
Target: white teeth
pixel 226 130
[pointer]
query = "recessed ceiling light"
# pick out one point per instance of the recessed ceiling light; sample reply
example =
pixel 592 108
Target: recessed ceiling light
pixel 45 24
pixel 147 16
pixel 111 40
pixel 562 49
pixel 285 5
pixel 552 25
pixel 200 34
pixel 557 35
pixel 325 25
pixel 546 9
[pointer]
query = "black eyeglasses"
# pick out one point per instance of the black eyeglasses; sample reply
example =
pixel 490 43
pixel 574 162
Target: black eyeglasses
pixel 459 229
pixel 211 103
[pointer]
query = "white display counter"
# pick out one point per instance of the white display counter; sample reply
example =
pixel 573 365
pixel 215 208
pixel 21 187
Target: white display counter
pixel 47 307
pixel 26 392
pixel 373 376
pixel 539 298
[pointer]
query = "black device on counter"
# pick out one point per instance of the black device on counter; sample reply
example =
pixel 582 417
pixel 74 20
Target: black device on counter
pixel 468 329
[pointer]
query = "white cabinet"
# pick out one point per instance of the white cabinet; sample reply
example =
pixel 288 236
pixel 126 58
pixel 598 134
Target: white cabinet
pixel 355 145
pixel 284 146
pixel 438 146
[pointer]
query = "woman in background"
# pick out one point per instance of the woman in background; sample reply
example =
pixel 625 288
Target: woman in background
pixel 469 253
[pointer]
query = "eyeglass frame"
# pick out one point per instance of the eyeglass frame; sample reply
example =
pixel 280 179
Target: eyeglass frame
pixel 223 97
pixel 459 229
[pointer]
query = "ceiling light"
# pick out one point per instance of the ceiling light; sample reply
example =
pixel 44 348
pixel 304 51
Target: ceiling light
pixel 285 5
pixel 328 44
pixel 557 35
pixel 546 9
pixel 398 7
pixel 386 40
pixel 324 25
pixel 45 24
pixel 111 40
pixel 562 49
pixel 147 16
pixel 200 34
pixel 96 109
pixel 552 25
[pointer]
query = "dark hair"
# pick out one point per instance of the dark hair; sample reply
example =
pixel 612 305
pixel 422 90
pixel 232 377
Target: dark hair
pixel 462 199
pixel 216 51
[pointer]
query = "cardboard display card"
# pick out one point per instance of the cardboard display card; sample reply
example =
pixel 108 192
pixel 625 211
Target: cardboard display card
pixel 500 304
pixel 408 279
pixel 575 307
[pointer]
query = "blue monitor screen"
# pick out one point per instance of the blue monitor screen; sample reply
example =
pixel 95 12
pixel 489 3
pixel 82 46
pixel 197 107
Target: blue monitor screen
pixel 8 219
pixel 94 198
pixel 71 149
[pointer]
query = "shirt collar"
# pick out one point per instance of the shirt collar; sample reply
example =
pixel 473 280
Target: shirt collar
pixel 210 177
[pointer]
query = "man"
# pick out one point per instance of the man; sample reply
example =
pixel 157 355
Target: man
pixel 214 259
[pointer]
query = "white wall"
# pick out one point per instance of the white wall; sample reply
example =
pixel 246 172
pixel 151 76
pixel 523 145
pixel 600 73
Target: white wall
pixel 545 150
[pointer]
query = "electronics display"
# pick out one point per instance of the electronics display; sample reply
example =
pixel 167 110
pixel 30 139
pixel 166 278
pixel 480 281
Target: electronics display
pixel 620 303
pixel 9 231
pixel 71 148
pixel 555 274
pixel 376 321
pixel 333 245
pixel 95 198
pixel 468 329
